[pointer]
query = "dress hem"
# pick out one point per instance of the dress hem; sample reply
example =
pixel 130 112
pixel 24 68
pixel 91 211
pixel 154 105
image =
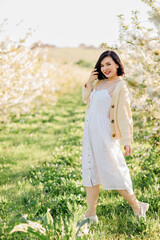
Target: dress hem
pixel 84 185
pixel 108 188
pixel 119 189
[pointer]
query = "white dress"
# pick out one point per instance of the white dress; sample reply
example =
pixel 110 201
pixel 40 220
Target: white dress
pixel 102 158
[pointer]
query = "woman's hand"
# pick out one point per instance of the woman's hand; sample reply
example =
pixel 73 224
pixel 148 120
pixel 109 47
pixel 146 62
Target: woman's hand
pixel 127 150
pixel 93 76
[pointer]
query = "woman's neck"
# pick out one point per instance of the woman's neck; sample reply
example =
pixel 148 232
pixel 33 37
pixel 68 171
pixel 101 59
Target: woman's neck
pixel 113 78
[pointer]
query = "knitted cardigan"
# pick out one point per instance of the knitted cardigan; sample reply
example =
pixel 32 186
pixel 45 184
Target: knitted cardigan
pixel 120 111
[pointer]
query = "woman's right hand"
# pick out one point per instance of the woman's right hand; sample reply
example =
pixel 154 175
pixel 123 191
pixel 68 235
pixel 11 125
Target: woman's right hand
pixel 128 150
pixel 93 76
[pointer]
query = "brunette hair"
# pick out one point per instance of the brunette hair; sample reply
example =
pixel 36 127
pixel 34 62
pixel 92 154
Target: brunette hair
pixel 116 59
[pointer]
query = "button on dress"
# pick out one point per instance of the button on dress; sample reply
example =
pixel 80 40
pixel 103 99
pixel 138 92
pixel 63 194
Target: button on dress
pixel 102 158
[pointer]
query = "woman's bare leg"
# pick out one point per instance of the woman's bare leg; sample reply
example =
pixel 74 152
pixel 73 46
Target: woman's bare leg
pixel 131 199
pixel 92 198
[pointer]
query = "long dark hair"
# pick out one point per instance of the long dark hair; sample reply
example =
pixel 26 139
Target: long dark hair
pixel 116 59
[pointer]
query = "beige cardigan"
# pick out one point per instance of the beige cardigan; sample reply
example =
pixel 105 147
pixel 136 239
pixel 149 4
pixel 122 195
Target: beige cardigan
pixel 120 111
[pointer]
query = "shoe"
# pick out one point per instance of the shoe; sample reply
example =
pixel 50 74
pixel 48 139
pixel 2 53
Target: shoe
pixel 84 224
pixel 143 209
pixel 91 219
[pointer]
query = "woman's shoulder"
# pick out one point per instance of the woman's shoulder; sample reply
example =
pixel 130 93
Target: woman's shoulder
pixel 122 81
pixel 124 90
pixel 121 89
pixel 122 84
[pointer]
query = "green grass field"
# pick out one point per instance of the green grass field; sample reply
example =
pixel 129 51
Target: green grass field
pixel 73 55
pixel 41 168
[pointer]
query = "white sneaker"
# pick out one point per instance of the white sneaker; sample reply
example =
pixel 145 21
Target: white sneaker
pixel 92 219
pixel 83 225
pixel 143 209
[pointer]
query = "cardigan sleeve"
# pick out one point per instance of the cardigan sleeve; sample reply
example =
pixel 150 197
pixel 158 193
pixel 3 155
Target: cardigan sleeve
pixel 86 91
pixel 124 117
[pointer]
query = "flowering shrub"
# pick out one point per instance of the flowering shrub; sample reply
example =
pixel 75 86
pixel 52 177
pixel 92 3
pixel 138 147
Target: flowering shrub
pixel 28 79
pixel 140 53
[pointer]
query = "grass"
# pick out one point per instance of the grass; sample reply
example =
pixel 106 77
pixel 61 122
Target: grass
pixel 41 168
pixel 73 55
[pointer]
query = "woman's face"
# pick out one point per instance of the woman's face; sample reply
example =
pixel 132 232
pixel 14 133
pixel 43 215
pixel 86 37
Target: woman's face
pixel 109 67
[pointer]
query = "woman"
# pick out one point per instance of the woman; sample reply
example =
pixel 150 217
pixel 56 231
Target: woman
pixel 108 123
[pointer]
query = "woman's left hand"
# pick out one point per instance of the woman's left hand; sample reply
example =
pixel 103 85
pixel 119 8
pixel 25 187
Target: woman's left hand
pixel 127 150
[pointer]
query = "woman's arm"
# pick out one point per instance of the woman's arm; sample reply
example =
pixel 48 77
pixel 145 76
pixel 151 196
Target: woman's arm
pixel 124 117
pixel 86 91
pixel 88 87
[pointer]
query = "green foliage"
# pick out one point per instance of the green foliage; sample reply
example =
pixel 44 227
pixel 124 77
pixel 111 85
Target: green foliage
pixel 139 49
pixel 84 64
pixel 29 79
pixel 52 178
pixel 41 157
pixel 63 230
